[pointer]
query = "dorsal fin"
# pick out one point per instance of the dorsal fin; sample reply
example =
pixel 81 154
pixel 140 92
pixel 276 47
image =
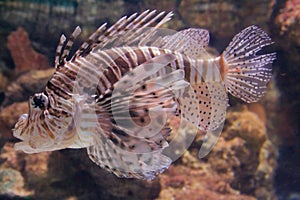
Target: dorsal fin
pixel 86 47
pixel 59 48
pixel 126 31
pixel 62 51
pixel 190 42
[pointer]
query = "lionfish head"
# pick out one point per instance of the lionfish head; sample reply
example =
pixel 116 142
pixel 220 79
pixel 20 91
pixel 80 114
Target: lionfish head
pixel 32 129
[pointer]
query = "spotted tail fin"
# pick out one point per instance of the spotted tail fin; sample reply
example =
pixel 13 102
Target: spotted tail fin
pixel 246 73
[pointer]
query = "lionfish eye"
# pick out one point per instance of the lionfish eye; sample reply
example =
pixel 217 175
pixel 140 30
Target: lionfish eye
pixel 39 101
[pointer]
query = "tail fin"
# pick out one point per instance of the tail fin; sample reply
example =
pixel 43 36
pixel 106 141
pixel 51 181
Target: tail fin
pixel 246 73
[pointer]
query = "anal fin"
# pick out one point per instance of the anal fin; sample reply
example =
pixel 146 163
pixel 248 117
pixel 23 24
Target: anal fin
pixel 204 105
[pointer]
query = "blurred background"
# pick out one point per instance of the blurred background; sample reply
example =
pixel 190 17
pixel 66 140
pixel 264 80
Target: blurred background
pixel 257 156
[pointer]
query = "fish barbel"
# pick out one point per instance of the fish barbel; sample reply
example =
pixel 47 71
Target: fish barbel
pixel 116 93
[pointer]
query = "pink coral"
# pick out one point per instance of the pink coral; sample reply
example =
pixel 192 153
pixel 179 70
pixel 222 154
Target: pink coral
pixel 24 56
pixel 289 15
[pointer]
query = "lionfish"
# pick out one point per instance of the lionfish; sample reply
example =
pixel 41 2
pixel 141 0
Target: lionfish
pixel 115 95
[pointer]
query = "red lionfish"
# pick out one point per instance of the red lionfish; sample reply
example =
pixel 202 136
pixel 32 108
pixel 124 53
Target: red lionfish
pixel 115 94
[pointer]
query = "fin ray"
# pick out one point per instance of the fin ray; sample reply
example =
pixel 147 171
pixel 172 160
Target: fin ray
pixel 248 73
pixel 190 42
pixel 127 164
pixel 126 31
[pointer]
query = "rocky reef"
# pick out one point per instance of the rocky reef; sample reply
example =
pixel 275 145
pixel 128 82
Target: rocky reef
pixel 240 166
pixel 255 157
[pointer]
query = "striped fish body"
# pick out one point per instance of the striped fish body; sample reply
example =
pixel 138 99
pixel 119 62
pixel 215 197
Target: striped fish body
pixel 116 94
pixel 98 72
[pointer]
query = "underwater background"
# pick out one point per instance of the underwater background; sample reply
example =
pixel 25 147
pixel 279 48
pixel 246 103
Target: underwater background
pixel 257 155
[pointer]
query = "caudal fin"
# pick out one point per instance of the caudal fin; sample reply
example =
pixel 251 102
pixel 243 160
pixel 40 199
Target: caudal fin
pixel 246 73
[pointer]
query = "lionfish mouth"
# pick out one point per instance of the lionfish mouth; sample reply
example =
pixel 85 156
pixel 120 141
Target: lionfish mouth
pixel 18 130
pixel 20 133
pixel 27 144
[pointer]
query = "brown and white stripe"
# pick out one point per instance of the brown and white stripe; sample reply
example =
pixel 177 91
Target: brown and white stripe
pixel 105 68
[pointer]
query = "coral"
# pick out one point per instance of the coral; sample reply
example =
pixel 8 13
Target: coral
pixel 259 110
pixel 34 168
pixel 182 182
pixel 242 156
pixel 246 141
pixel 240 166
pixel 289 15
pixel 33 165
pixel 10 158
pixel 25 58
pixel 12 183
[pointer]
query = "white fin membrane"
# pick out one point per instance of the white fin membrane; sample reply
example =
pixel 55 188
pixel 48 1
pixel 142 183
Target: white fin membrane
pixel 127 31
pixel 248 73
pixel 127 164
pixel 190 42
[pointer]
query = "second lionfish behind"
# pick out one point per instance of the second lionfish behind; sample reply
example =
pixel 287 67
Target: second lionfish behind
pixel 115 95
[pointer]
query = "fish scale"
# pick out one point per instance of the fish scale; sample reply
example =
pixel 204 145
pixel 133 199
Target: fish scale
pixel 117 92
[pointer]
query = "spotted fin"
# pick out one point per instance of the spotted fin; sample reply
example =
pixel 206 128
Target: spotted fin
pixel 195 106
pixel 96 123
pixel 246 73
pixel 219 103
pixel 190 42
pixel 204 105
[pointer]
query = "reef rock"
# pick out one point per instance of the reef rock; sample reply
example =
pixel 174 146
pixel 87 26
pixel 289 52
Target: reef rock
pixel 23 171
pixel 287 37
pixel 9 116
pixel 24 56
pixel 12 184
pixel 289 16
pixel 240 166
